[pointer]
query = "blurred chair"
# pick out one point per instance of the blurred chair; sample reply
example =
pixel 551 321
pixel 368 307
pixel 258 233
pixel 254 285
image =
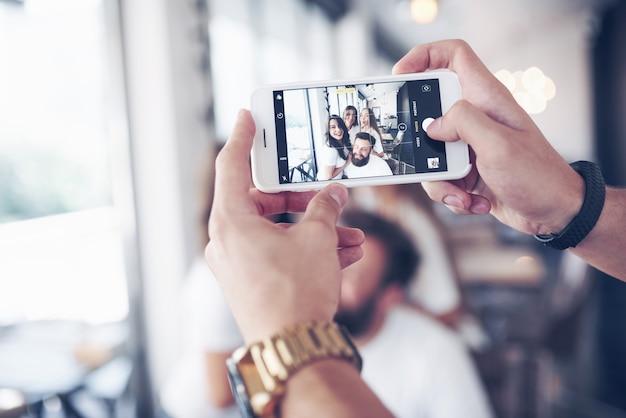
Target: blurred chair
pixel 110 383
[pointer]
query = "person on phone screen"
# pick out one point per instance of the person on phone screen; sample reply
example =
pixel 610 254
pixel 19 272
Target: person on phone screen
pixel 350 118
pixel 370 126
pixel 364 162
pixel 335 154
pixel 516 176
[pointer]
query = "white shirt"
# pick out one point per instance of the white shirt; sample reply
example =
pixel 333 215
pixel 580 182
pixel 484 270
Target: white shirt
pixel 329 157
pixel 378 146
pixel 207 325
pixel 418 368
pixel 375 167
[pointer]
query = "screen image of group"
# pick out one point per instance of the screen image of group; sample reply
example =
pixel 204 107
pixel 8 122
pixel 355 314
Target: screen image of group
pixel 356 131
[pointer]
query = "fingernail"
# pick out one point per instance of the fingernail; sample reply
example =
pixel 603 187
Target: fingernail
pixel 453 201
pixel 339 194
pixel 433 126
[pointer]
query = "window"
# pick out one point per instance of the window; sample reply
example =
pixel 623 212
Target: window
pixel 59 235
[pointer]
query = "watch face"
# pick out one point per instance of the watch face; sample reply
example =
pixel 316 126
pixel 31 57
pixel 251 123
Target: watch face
pixel 239 389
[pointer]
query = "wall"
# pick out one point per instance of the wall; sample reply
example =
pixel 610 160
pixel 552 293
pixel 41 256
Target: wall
pixel 168 104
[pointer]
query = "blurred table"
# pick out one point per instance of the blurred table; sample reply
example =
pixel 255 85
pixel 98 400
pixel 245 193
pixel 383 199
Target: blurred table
pixel 42 361
pixel 513 265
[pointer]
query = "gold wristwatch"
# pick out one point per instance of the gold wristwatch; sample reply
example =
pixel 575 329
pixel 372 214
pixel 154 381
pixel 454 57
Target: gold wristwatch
pixel 258 372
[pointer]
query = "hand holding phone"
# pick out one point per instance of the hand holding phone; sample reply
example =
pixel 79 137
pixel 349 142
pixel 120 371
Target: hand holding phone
pixel 358 132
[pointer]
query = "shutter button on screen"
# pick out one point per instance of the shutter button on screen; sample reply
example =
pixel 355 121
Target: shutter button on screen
pixel 426 123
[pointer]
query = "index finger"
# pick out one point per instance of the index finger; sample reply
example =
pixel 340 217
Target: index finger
pixel 327 204
pixel 479 86
pixel 455 55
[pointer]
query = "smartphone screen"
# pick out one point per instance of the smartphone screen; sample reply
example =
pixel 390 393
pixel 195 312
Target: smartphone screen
pixel 370 130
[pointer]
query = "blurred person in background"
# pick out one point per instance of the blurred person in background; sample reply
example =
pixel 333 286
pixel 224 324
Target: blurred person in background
pixel 197 386
pixel 435 286
pixel 417 367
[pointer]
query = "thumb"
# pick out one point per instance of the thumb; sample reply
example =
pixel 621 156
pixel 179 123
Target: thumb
pixel 466 122
pixel 327 204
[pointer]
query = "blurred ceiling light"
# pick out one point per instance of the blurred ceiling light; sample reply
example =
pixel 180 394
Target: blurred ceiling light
pixel 531 88
pixel 424 11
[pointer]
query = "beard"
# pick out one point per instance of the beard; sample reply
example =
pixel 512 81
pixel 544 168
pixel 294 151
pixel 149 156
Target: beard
pixel 357 321
pixel 361 161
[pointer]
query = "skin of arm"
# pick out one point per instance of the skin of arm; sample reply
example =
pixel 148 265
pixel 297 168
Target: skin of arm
pixel 338 385
pixel 272 275
pixel 218 388
pixel 332 171
pixel 604 247
pixel 516 175
pixel 327 172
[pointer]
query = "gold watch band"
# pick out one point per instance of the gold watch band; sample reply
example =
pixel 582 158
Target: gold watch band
pixel 264 366
pixel 300 344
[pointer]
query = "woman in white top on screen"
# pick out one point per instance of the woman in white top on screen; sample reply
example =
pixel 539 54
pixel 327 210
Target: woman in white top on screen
pixel 335 155
pixel 369 125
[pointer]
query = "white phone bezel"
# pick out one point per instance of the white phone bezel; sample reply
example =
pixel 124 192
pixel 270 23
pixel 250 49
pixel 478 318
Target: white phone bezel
pixel 264 154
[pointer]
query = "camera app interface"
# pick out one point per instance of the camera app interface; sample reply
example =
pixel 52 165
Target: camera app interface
pixel 353 131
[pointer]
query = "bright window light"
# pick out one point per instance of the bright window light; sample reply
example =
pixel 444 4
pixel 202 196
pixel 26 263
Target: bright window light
pixel 59 235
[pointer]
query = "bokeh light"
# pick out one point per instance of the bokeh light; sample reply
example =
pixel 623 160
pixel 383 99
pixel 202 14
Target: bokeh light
pixel 531 88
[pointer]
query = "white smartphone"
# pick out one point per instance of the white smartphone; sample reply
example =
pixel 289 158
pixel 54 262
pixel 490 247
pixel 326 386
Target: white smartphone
pixel 358 132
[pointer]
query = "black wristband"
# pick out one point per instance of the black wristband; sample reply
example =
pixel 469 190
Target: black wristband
pixel 583 223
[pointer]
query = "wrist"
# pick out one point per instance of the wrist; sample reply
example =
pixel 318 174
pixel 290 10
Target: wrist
pixel 566 205
pixel 259 372
pixel 588 215
pixel 262 327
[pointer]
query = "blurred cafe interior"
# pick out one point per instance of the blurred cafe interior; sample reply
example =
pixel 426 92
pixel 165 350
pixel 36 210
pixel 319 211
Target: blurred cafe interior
pixel 112 112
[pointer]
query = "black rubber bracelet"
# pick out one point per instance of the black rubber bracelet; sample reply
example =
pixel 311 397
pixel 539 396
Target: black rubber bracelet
pixel 583 223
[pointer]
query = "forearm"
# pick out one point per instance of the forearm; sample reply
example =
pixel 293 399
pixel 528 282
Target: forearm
pixel 327 172
pixel 337 170
pixel 605 246
pixel 218 388
pixel 330 388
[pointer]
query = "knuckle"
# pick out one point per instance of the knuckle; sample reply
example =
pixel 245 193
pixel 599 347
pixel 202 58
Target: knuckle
pixel 461 44
pixel 219 161
pixel 217 229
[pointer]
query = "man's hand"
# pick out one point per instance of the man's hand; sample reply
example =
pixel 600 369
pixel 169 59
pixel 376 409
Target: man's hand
pixel 517 175
pixel 275 275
